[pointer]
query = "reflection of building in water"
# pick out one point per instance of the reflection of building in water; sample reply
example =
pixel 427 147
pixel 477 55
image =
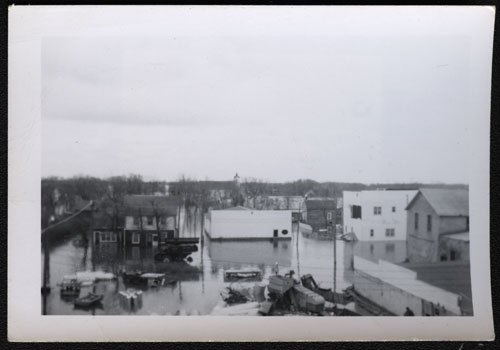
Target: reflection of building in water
pixel 391 251
pixel 236 254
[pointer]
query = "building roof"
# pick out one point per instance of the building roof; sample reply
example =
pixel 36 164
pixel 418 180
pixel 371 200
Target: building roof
pixel 321 203
pixel 239 207
pixel 461 236
pixel 148 204
pixel 446 202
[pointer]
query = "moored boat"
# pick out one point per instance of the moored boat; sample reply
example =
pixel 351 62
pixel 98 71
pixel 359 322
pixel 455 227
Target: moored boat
pixel 90 299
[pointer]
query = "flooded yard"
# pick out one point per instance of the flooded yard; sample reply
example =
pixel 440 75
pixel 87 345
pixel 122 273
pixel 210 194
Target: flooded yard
pixel 199 282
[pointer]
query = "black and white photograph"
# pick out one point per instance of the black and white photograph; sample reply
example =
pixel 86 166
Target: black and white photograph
pixel 261 163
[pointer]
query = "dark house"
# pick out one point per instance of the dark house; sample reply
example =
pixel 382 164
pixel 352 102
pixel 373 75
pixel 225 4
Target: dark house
pixel 146 220
pixel 319 213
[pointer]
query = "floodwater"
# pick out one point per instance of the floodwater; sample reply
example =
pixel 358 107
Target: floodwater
pixel 199 283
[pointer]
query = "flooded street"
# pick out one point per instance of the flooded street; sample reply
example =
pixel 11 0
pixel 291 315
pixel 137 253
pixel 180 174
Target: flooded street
pixel 199 283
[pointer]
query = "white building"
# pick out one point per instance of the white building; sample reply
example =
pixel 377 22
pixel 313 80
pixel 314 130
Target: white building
pixel 244 223
pixel 377 215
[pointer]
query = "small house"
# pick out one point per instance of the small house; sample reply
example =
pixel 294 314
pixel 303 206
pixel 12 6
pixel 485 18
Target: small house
pixel 319 213
pixel 438 225
pixel 149 220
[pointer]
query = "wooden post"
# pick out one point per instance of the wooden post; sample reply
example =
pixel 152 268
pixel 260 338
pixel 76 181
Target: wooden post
pixel 297 248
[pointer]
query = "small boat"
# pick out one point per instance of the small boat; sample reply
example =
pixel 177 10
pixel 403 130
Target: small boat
pixel 70 286
pixel 134 278
pixel 243 274
pixel 154 279
pixel 139 278
pixel 88 300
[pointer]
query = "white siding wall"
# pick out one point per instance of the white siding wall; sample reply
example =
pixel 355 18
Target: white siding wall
pixel 247 224
pixel 388 219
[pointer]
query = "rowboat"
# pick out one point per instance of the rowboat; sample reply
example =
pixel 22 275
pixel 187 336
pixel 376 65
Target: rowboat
pixel 243 274
pixel 88 300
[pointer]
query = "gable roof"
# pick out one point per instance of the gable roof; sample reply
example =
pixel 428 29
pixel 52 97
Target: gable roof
pixel 446 202
pixel 239 207
pixel 147 204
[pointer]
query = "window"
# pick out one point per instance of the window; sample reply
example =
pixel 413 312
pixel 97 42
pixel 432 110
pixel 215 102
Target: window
pixel 329 215
pixel 372 233
pixel 163 220
pixel 390 248
pixel 285 232
pixel 416 221
pixel 453 255
pixel 356 212
pixel 377 210
pixel 136 238
pixel 393 209
pixel 467 223
pixel 150 220
pixel 390 232
pixel 108 236
pixel 429 223
pixel 136 220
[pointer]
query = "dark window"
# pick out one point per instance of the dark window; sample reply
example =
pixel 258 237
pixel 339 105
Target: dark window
pixel 416 221
pixel 371 248
pixel 377 210
pixel 285 232
pixel 393 209
pixel 372 233
pixel 390 232
pixel 356 212
pixel 467 223
pixel 275 233
pixel 443 257
pixel 453 255
pixel 389 248
pixel 150 220
pixel 429 223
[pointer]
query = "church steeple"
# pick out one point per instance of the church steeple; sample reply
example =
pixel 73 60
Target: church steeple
pixel 236 179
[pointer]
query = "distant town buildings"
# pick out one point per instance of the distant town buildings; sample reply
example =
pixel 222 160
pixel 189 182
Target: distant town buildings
pixel 438 225
pixel 377 215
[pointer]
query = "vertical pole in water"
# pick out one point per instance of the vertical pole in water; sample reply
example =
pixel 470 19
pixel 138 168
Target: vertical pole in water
pixel 334 263
pixel 46 275
pixel 334 214
pixel 202 234
pixel 297 247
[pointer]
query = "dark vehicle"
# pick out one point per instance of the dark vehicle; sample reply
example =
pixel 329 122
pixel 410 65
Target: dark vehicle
pixel 177 249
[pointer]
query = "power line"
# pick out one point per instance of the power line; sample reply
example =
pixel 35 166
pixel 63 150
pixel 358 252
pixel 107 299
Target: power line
pixel 68 218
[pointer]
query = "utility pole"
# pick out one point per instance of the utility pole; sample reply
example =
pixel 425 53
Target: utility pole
pixel 333 230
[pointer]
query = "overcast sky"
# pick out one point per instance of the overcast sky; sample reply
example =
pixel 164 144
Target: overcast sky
pixel 354 109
